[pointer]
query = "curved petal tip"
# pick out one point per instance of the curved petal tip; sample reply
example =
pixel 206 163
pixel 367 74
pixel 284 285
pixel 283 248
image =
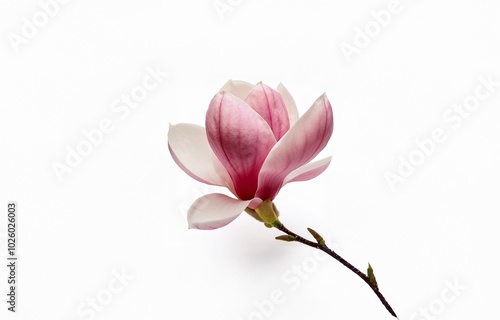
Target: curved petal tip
pixel 214 211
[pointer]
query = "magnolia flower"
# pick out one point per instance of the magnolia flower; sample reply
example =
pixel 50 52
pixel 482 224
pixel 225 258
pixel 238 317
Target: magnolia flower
pixel 254 143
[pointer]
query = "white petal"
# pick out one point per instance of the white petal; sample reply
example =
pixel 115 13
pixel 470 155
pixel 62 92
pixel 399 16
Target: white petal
pixel 237 88
pixel 214 211
pixel 308 171
pixel 189 147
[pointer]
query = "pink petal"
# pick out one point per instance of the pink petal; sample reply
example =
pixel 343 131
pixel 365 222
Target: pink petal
pixel 269 104
pixel 297 147
pixel 291 107
pixel 238 88
pixel 308 171
pixel 255 202
pixel 241 140
pixel 213 211
pixel 188 145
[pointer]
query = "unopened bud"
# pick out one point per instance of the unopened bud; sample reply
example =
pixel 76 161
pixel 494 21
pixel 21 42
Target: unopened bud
pixel 316 236
pixel 285 237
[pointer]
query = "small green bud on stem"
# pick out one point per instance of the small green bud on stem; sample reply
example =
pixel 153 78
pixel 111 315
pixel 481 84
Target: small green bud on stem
pixel 371 276
pixel 286 237
pixel 317 236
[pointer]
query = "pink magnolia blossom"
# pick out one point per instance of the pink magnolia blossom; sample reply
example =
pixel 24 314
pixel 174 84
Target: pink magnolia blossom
pixel 254 143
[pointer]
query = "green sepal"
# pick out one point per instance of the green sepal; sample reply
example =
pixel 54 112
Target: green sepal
pixel 267 212
pixel 253 214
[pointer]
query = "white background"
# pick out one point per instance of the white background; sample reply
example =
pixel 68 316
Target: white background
pixel 122 208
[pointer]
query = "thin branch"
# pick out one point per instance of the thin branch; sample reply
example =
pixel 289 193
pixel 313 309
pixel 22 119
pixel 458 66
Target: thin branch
pixel 320 245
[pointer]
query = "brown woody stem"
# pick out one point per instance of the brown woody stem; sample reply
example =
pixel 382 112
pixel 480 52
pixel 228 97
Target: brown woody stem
pixel 320 244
